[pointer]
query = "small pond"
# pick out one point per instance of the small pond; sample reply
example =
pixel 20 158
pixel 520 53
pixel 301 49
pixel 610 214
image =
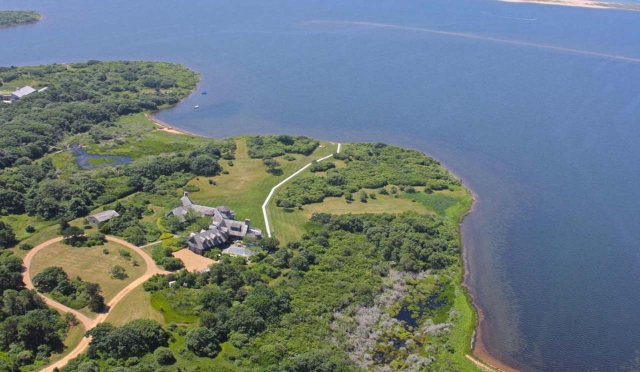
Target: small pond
pixel 88 161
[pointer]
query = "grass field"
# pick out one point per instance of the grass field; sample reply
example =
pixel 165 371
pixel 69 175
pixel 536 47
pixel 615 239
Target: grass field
pixel 444 202
pixel 141 137
pixel 91 265
pixel 247 185
pixel 289 226
pixel 19 224
pixel 135 305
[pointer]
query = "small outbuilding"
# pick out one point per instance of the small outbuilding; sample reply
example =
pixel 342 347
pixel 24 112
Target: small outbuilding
pixel 102 216
pixel 24 91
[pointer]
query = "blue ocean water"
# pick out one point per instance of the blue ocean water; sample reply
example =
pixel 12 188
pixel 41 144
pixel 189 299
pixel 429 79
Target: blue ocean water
pixel 546 138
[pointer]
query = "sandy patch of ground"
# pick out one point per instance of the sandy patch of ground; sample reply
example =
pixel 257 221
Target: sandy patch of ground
pixel 579 3
pixel 193 261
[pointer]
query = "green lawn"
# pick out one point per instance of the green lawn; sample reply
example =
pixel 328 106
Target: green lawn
pixel 247 185
pixel 91 265
pixel 135 305
pixel 19 224
pixel 289 226
pixel 138 136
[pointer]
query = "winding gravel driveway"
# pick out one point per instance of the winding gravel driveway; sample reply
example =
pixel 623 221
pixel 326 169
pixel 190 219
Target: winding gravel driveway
pixel 87 322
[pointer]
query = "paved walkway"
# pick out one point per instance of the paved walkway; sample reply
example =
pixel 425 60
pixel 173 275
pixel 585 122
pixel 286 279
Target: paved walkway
pixel 87 322
pixel 266 202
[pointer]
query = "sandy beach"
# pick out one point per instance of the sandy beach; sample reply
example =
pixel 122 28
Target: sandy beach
pixel 580 3
pixel 167 128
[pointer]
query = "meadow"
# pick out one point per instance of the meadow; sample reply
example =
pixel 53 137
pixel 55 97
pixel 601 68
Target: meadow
pixel 92 265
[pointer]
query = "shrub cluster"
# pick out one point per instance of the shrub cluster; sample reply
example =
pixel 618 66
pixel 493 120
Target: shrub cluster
pixel 271 146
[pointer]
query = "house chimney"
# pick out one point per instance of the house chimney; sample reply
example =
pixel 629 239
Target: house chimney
pixel 186 194
pixel 247 222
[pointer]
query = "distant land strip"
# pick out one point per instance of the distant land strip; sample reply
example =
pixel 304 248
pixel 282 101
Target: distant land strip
pixel 477 37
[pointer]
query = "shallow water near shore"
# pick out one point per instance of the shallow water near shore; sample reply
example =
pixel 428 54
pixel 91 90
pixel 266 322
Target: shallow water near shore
pixel 539 118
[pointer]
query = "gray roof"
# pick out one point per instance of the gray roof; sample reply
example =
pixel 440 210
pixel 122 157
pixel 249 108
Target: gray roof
pixel 105 216
pixel 208 238
pixel 186 200
pixel 23 91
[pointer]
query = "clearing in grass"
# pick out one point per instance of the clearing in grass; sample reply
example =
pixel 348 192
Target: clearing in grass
pixel 91 264
pixel 135 305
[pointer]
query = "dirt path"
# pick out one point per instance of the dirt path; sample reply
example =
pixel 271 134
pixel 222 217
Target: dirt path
pixel 87 322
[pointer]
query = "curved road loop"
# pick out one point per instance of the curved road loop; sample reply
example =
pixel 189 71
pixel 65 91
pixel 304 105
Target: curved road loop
pixel 87 322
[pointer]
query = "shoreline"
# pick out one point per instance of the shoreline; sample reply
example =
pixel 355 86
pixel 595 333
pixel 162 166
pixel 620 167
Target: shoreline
pixel 580 4
pixel 165 127
pixel 477 354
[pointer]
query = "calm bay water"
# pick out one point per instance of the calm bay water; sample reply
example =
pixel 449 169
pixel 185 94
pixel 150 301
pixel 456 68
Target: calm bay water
pixel 547 139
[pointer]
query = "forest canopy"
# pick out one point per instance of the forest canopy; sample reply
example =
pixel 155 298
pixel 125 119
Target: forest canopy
pixel 79 97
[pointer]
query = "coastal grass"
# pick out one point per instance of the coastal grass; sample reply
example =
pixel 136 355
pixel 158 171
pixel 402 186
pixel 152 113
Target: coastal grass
pixel 65 162
pixel 170 315
pixel 91 264
pixel 138 136
pixel 135 305
pixel 467 318
pixel 248 184
pixel 288 226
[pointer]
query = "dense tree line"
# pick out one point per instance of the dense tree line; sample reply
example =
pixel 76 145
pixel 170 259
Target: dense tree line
pixel 82 96
pixel 135 338
pixel 10 18
pixel 29 331
pixel 370 166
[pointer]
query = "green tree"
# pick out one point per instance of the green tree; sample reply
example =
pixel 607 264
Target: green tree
pixel 118 272
pixel 134 235
pixel 269 244
pixel 299 263
pixel 164 356
pixel 96 303
pixel 202 342
pixel 72 234
pixel 205 165
pixel 135 338
pixel 172 223
pixel 267 302
pixel 7 237
pixel 271 164
pixel 49 279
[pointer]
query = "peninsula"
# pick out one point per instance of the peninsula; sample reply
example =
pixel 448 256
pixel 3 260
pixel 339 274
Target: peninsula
pixel 153 252
pixel 10 18
pixel 581 3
